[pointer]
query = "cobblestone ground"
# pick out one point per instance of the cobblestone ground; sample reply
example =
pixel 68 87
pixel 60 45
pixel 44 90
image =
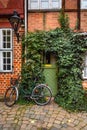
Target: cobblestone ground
pixel 49 117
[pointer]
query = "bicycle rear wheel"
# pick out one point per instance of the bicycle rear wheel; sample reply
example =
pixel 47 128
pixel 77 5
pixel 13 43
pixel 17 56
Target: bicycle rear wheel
pixel 42 94
pixel 10 96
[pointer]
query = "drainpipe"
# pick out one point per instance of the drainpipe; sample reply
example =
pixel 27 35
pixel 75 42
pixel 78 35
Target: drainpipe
pixel 78 14
pixel 25 13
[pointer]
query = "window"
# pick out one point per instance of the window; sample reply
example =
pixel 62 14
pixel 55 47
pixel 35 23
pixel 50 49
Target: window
pixel 5 50
pixel 44 4
pixel 83 4
pixel 85 67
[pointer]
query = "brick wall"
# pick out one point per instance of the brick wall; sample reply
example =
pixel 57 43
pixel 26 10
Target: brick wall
pixel 17 60
pixel 49 20
pixel 4 23
pixel 6 10
pixel 5 77
pixel 70 4
pixel 84 21
pixel 72 19
pixel 42 21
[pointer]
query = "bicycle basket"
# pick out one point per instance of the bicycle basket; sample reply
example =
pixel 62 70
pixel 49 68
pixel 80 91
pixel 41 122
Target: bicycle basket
pixel 14 81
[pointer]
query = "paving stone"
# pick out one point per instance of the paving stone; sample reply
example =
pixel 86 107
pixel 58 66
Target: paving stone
pixel 29 127
pixel 49 117
pixel 76 122
pixel 57 126
pixel 13 128
pixel 43 128
pixel 64 125
pixel 85 128
pixel 1 126
pixel 54 128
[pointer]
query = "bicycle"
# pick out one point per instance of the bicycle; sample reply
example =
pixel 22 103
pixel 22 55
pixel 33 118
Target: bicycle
pixel 41 93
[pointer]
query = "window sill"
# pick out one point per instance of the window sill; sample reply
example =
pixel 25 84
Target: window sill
pixel 10 71
pixel 44 10
pixel 83 10
pixel 84 79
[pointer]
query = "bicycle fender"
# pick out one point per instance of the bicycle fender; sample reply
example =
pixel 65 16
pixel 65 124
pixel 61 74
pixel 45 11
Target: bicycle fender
pixel 45 86
pixel 16 92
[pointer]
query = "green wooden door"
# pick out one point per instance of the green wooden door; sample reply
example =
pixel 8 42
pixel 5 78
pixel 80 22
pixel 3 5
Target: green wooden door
pixel 50 73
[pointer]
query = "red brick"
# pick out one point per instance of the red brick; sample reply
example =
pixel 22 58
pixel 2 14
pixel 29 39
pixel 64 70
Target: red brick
pixel 71 4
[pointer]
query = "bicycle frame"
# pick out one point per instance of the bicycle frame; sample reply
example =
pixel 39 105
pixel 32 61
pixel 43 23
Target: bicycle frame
pixel 41 94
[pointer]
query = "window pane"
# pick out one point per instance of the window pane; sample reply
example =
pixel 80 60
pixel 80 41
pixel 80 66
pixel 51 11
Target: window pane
pixel 85 60
pixel 8 54
pixel 4 38
pixel 4 67
pixel 8 61
pixel 44 4
pixel 8 32
pixel 8 67
pixel 6 43
pixel 5 50
pixel 4 61
pixel 34 4
pixel 85 72
pixel 4 54
pixel 4 32
pixel 8 38
pixel 55 3
pixel 83 4
pixel 85 67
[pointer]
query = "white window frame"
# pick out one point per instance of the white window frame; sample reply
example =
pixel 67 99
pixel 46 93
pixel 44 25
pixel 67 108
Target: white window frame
pixel 83 4
pixel 85 67
pixel 6 50
pixel 39 5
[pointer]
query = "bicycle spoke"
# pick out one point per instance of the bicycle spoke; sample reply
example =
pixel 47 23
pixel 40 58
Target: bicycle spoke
pixel 42 95
pixel 10 96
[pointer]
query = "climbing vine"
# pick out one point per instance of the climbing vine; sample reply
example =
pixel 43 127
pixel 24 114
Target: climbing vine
pixel 69 49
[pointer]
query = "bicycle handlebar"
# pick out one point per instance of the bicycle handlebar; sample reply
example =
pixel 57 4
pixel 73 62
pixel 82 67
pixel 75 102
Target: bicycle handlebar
pixel 15 81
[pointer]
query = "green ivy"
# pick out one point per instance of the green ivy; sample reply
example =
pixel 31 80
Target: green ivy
pixel 69 49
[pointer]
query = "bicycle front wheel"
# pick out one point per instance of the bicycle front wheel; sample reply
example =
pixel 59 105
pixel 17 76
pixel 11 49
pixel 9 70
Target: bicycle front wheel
pixel 10 96
pixel 42 94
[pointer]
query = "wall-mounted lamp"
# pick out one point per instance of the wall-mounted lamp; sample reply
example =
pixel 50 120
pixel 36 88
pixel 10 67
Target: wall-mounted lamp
pixel 15 22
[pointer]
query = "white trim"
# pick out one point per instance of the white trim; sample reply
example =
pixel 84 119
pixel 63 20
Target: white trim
pixel 25 16
pixel 49 4
pixel 1 65
pixel 2 49
pixel 84 73
pixel 83 33
pixel 83 4
pixel 0 38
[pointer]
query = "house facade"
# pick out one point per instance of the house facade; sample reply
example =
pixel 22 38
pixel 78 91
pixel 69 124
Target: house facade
pixel 43 15
pixel 38 15
pixel 10 50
